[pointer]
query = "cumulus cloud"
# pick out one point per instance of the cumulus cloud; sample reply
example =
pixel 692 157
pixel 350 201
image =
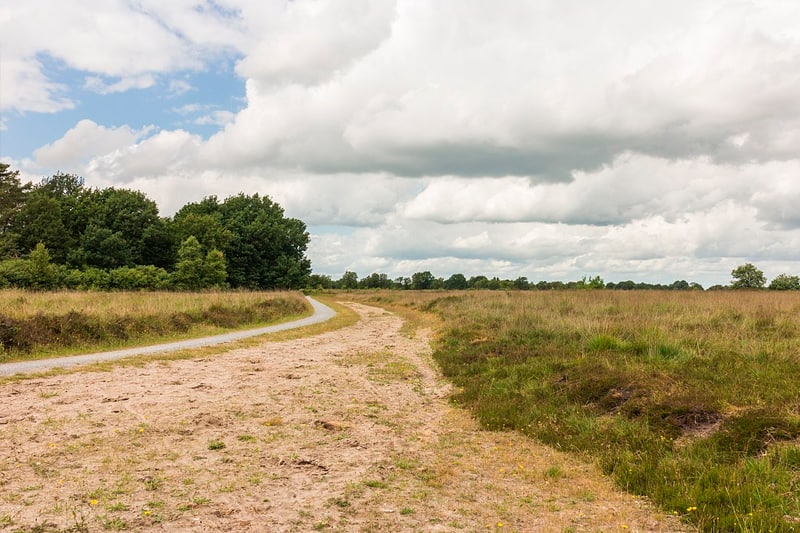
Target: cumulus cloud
pixel 84 142
pixel 120 45
pixel 535 89
pixel 546 139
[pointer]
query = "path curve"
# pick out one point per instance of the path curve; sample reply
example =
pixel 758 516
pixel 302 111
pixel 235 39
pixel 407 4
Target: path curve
pixel 321 313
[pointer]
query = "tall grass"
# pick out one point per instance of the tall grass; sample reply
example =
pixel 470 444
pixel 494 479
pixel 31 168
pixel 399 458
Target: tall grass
pixel 33 324
pixel 692 399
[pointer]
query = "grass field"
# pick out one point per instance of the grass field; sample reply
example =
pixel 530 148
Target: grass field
pixel 690 398
pixel 44 324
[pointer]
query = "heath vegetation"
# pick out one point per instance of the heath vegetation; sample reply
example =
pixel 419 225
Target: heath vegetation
pixel 35 324
pixel 689 398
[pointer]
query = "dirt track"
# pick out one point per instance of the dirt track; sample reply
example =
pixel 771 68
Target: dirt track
pixel 345 431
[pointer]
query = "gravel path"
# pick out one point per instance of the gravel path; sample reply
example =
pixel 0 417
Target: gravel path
pixel 321 313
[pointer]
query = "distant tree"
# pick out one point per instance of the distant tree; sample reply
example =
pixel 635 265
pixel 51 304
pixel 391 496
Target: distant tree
pixel 680 285
pixel 422 280
pixel 785 282
pixel 319 281
pixel 478 282
pixel 375 281
pixel 456 282
pixel 349 280
pixel 748 276
pixel 521 283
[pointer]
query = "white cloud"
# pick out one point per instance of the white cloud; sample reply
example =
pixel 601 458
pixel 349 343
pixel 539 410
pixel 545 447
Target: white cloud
pixel 546 139
pixel 84 142
pixel 215 118
pixel 107 39
pixel 24 87
pixel 310 42
pixel 101 86
pixel 167 153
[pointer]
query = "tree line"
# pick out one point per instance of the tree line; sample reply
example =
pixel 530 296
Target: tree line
pixel 60 233
pixel 745 276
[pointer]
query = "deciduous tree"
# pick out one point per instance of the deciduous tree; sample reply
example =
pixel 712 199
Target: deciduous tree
pixel 748 276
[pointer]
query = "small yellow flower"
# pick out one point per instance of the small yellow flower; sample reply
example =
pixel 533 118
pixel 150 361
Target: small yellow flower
pixel 499 524
pixel 690 509
pixel 147 512
pixel 93 502
pixel 141 430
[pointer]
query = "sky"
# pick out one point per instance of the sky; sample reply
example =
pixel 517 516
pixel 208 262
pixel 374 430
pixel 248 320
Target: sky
pixel 630 139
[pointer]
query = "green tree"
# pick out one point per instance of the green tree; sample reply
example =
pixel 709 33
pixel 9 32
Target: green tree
pixel 215 270
pixel 375 281
pixel 12 197
pixel 456 282
pixel 263 248
pixel 42 272
pixel 422 280
pixel 522 283
pixel 349 281
pixel 747 276
pixel 116 230
pixel 478 282
pixel 40 221
pixel 190 270
pixel 319 281
pixel 785 282
pixel 208 228
pixel 55 213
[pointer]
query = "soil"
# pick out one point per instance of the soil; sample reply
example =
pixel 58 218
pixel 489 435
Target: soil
pixel 350 430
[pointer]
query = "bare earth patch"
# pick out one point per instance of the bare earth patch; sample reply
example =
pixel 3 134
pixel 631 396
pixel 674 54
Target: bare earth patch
pixel 346 431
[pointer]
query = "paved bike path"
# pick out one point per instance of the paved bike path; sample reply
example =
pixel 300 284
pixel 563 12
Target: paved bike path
pixel 321 313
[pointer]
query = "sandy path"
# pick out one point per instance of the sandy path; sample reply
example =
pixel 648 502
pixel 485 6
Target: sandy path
pixel 345 431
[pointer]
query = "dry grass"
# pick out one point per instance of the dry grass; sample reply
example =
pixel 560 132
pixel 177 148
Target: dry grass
pixel 48 324
pixel 17 303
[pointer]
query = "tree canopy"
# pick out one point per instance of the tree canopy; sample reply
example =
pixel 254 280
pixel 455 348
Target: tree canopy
pixel 748 276
pixel 87 234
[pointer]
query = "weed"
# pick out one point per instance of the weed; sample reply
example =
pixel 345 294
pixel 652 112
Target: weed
pixel 113 523
pixel 555 472
pixel 153 483
pixel 215 444
pixel 341 503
